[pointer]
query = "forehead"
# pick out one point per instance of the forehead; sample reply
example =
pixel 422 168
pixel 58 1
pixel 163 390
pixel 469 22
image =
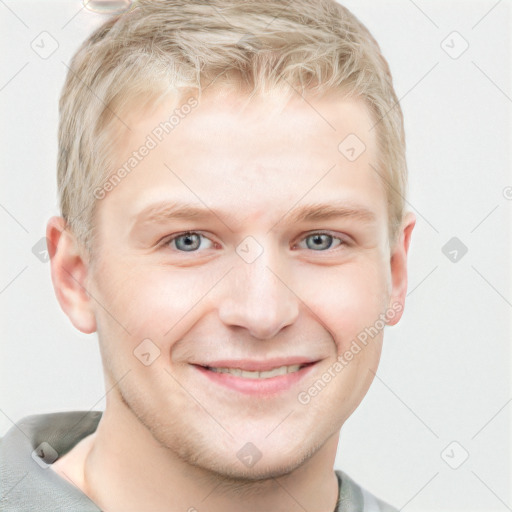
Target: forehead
pixel 253 155
pixel 317 119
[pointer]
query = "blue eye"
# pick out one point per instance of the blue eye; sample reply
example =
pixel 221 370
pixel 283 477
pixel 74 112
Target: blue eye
pixel 190 241
pixel 321 241
pixel 186 242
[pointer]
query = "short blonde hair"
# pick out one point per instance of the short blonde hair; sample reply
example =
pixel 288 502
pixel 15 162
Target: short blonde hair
pixel 163 47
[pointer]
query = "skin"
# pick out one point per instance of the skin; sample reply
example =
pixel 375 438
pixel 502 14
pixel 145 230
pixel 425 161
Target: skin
pixel 168 438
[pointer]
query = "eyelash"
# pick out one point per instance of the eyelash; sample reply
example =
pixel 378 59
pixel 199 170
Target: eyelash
pixel 166 242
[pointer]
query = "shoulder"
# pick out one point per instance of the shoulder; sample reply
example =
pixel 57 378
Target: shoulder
pixel 355 498
pixel 27 451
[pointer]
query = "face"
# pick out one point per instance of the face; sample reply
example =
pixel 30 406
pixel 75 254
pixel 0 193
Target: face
pixel 244 239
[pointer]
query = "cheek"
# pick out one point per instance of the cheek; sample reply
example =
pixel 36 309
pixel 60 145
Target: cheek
pixel 347 300
pixel 138 309
pixel 139 302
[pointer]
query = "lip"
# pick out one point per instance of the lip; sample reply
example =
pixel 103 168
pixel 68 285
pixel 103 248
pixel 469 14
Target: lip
pixel 260 387
pixel 258 366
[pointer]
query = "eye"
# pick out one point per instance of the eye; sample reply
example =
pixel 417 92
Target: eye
pixel 191 241
pixel 186 242
pixel 321 241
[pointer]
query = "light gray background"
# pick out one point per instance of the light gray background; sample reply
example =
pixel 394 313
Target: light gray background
pixel 445 369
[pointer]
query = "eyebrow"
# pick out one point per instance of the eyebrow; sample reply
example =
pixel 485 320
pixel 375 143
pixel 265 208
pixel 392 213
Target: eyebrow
pixel 168 210
pixel 320 211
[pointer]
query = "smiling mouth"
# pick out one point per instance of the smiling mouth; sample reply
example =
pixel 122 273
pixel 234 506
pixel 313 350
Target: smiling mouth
pixel 263 379
pixel 268 374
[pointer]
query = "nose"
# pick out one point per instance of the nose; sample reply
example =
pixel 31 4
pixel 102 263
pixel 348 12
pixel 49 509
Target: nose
pixel 258 298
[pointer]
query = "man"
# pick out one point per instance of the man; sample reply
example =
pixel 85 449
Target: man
pixel 232 179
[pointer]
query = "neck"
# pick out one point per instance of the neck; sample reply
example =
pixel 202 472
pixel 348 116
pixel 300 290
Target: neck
pixel 127 469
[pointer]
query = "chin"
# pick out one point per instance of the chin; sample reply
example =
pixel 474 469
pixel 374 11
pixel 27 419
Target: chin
pixel 261 472
pixel 266 468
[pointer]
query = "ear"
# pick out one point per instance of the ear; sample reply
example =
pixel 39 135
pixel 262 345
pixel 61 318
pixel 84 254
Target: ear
pixel 69 275
pixel 398 264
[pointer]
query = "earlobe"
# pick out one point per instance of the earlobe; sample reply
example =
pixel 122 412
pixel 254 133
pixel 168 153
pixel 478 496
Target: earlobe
pixel 69 273
pixel 398 263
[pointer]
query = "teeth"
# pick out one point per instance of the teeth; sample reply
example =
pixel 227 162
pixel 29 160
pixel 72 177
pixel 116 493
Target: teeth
pixel 282 370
